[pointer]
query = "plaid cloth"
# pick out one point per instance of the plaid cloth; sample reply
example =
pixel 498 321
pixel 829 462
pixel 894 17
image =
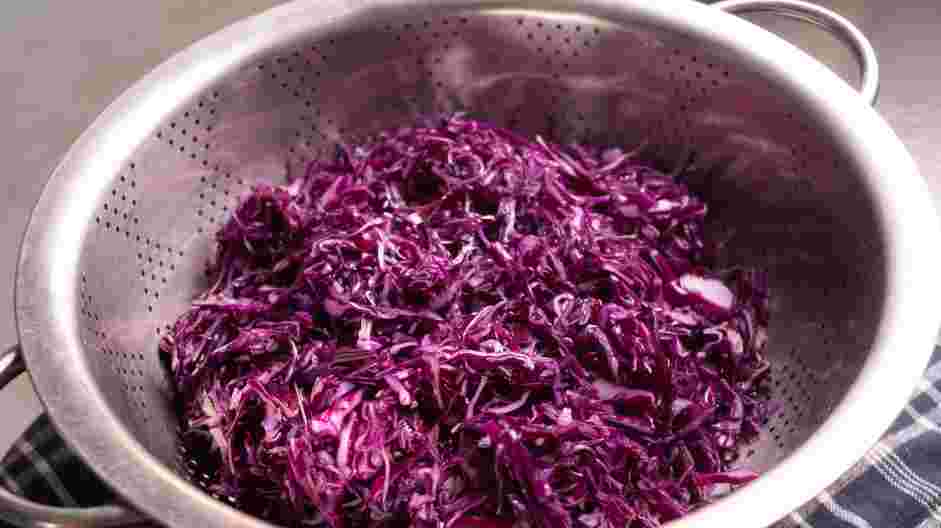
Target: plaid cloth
pixel 896 485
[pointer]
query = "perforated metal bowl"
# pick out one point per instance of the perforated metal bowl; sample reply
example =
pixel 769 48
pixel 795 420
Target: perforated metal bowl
pixel 803 179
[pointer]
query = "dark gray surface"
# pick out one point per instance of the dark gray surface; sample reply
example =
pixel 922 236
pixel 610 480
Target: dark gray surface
pixel 62 62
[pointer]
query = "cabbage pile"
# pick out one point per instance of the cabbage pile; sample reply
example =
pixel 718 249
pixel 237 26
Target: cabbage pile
pixel 452 326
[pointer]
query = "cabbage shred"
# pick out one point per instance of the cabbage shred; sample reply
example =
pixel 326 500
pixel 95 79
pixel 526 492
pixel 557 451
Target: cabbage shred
pixel 454 326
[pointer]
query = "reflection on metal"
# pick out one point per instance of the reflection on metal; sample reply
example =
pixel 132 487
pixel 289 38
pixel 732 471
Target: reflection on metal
pixel 827 19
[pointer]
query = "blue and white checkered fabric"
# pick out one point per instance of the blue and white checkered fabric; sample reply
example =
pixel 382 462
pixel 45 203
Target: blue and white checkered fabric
pixel 898 483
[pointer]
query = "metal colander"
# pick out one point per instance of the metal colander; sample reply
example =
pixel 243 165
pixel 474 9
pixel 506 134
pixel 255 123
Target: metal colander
pixel 803 179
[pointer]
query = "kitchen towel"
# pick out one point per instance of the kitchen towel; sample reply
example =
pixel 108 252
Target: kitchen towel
pixel 896 485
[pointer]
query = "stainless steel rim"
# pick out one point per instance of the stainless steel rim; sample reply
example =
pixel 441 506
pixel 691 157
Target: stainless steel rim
pixel 24 512
pixel 828 20
pixel 47 267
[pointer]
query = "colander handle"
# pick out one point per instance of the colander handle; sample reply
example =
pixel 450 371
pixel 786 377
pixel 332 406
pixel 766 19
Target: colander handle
pixel 828 20
pixel 20 511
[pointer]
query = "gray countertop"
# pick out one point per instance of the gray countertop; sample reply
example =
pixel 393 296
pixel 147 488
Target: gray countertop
pixel 61 63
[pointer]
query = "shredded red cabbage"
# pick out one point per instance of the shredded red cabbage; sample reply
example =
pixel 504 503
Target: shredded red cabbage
pixel 453 326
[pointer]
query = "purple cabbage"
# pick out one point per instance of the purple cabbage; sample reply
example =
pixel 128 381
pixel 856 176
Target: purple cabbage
pixel 452 326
